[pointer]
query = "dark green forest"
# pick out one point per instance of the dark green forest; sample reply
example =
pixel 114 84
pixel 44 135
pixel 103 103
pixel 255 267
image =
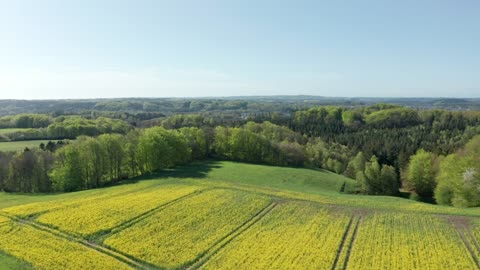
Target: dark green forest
pixel 429 151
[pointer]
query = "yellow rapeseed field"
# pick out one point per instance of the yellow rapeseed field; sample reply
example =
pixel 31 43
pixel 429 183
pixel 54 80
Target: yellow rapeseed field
pixel 208 223
pixel 4 219
pixel 105 214
pixel 473 234
pixel 408 241
pixel 85 197
pixel 45 251
pixel 179 234
pixel 293 236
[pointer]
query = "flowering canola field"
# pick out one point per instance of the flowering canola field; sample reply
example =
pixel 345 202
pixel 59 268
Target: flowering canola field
pixel 293 236
pixel 106 214
pixel 408 241
pixel 89 197
pixel 178 235
pixel 44 251
pixel 208 224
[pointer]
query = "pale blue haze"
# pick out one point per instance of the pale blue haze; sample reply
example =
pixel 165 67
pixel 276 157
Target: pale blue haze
pixel 87 49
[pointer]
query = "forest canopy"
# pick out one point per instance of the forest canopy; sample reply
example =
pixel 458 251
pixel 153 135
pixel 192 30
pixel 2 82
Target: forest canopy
pixel 386 148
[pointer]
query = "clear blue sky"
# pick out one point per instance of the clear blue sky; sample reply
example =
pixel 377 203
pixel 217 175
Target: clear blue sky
pixel 87 49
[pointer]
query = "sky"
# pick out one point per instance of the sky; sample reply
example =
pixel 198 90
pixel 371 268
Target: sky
pixel 138 48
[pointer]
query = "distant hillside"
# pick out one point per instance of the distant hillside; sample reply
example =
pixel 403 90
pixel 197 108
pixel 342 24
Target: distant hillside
pixel 238 103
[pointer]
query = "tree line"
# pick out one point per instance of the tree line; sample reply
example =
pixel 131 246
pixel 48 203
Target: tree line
pixel 384 147
pixel 91 162
pixel 63 127
pixel 452 180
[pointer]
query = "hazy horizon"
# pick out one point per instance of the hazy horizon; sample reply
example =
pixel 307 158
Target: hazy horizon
pixel 246 96
pixel 112 49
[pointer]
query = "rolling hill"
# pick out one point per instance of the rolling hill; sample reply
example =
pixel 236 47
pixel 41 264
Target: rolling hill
pixel 226 215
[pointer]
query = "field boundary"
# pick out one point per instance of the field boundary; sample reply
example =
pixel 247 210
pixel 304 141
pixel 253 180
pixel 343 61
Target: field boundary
pixel 136 263
pixel 349 237
pixel 462 227
pixel 264 191
pixel 342 243
pixel 352 242
pixel 91 200
pixel 232 235
pixel 100 235
pixel 149 213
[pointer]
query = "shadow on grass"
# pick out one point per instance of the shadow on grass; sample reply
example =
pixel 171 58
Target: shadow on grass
pixel 198 169
pixel 415 197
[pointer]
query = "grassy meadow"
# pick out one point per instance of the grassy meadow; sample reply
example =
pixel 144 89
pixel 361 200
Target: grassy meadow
pixel 12 130
pixel 227 215
pixel 20 145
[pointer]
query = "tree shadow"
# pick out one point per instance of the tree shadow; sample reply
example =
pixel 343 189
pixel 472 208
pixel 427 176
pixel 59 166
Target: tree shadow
pixel 197 169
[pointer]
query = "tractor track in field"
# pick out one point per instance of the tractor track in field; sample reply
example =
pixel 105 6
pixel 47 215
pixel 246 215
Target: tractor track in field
pixel 96 242
pixel 198 264
pixel 135 263
pixel 342 244
pixel 347 242
pixel 99 236
pixel 352 242
pixel 98 245
pixel 83 201
pixel 462 227
pixel 149 213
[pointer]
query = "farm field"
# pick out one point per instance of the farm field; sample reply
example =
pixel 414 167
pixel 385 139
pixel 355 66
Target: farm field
pixel 12 130
pixel 226 215
pixel 20 145
pixel 306 237
pixel 8 262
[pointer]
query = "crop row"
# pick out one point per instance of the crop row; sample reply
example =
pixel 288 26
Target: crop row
pixel 45 251
pixel 103 215
pixel 84 197
pixel 232 229
pixel 294 235
pixel 473 236
pixel 408 241
pixel 178 235
pixel 4 219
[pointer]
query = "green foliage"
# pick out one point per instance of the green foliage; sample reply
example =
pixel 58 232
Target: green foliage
pixel 67 174
pixel 388 179
pixel 377 179
pixel 422 172
pixel 93 162
pixel 160 148
pixel 186 120
pixel 393 118
pixel 315 152
pixel 333 138
pixel 72 127
pixel 356 166
pixel 259 143
pixel 27 172
pixel 113 147
pixel 197 142
pixel 352 118
pixel 318 121
pixel 132 159
pixel 459 179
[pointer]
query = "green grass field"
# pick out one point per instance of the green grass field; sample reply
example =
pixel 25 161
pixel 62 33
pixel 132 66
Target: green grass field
pixel 8 262
pixel 12 130
pixel 226 215
pixel 20 145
